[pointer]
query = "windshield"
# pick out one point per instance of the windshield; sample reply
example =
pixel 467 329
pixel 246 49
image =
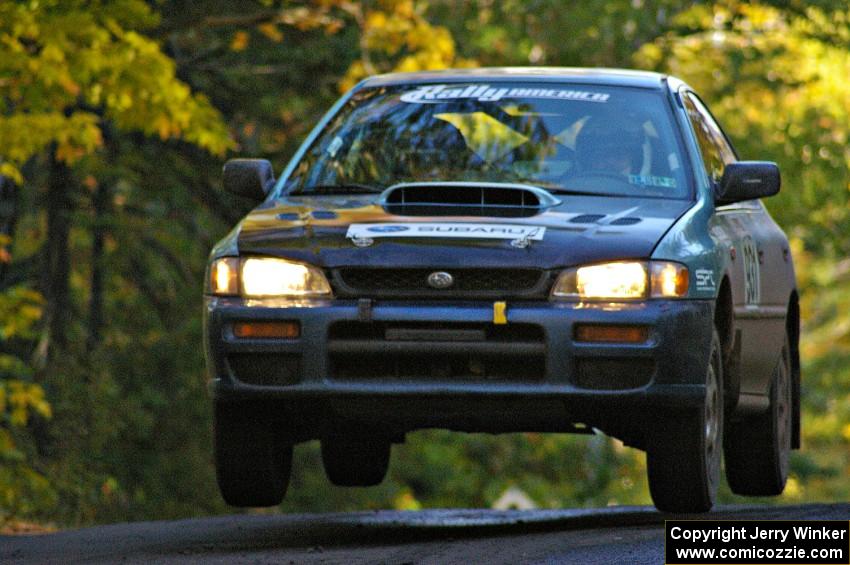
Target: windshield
pixel 561 137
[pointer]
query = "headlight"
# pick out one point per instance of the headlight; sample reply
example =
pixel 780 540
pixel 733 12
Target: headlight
pixel 612 280
pixel 257 277
pixel 277 277
pixel 623 280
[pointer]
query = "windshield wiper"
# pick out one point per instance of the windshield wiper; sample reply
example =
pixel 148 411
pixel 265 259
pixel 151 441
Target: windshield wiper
pixel 342 188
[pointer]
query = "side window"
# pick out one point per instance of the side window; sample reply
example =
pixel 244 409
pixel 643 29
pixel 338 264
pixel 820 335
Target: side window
pixel 715 150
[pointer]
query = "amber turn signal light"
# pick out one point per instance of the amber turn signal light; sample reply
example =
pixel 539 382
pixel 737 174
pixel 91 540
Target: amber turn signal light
pixel 611 334
pixel 280 330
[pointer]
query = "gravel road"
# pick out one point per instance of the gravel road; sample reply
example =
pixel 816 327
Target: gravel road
pixel 604 535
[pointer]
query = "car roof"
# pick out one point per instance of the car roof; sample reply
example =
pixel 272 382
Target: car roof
pixel 575 75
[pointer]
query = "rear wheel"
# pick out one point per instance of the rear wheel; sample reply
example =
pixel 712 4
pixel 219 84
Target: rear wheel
pixel 758 448
pixel 683 459
pixel 252 461
pixel 355 461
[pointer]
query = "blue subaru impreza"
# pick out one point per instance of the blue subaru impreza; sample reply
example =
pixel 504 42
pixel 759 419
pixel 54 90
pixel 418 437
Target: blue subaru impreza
pixel 505 250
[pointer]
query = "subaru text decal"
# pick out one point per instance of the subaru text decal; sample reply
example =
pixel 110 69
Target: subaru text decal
pixel 456 231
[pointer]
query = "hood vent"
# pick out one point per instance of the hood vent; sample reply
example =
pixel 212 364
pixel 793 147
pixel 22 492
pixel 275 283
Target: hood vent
pixel 466 199
pixel 587 218
pixel 625 221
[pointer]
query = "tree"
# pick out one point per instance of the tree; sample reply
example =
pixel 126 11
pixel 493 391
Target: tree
pixel 67 71
pixel 68 66
pixel 70 73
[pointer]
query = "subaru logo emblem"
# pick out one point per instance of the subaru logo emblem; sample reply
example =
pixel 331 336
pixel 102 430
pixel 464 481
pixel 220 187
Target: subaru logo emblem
pixel 388 229
pixel 440 280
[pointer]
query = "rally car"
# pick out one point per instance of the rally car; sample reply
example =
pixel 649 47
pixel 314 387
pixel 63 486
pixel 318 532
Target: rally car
pixel 506 250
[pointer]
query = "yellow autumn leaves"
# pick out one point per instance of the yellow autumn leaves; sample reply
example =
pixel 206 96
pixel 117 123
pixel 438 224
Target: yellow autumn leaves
pixel 20 309
pixel 18 400
pixel 64 68
pixel 397 37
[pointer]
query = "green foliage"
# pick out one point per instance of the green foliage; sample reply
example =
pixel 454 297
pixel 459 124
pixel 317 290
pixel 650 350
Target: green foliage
pixel 130 436
pixel 554 32
pixel 22 488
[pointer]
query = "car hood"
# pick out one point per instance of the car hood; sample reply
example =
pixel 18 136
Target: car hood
pixel 580 229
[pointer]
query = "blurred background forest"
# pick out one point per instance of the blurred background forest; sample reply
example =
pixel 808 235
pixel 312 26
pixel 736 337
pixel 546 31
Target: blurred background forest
pixel 115 119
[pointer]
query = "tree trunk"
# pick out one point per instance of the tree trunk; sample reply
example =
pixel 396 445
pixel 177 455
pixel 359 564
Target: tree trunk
pixel 57 260
pixel 8 219
pixel 100 203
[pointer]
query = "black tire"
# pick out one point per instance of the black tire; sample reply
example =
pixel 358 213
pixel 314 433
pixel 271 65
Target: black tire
pixel 252 460
pixel 758 448
pixel 356 461
pixel 683 457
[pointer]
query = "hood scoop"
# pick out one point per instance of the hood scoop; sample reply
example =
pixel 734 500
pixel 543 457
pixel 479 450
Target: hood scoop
pixel 500 200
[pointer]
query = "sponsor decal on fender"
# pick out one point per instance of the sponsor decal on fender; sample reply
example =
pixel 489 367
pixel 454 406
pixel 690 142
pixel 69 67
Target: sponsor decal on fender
pixel 705 280
pixel 446 230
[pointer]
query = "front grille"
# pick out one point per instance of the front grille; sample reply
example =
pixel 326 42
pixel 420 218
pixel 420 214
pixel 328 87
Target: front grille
pixel 368 351
pixel 468 283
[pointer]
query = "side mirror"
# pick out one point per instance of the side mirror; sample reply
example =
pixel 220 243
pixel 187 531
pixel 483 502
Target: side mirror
pixel 251 178
pixel 747 180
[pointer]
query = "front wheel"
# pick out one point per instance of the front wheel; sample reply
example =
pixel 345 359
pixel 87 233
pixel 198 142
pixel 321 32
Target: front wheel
pixel 252 460
pixel 758 448
pixel 683 459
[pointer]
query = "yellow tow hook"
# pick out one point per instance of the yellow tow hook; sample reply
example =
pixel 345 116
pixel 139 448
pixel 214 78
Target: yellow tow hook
pixel 500 316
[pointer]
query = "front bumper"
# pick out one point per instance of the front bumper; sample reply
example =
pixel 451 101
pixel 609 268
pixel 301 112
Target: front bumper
pixel 325 376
